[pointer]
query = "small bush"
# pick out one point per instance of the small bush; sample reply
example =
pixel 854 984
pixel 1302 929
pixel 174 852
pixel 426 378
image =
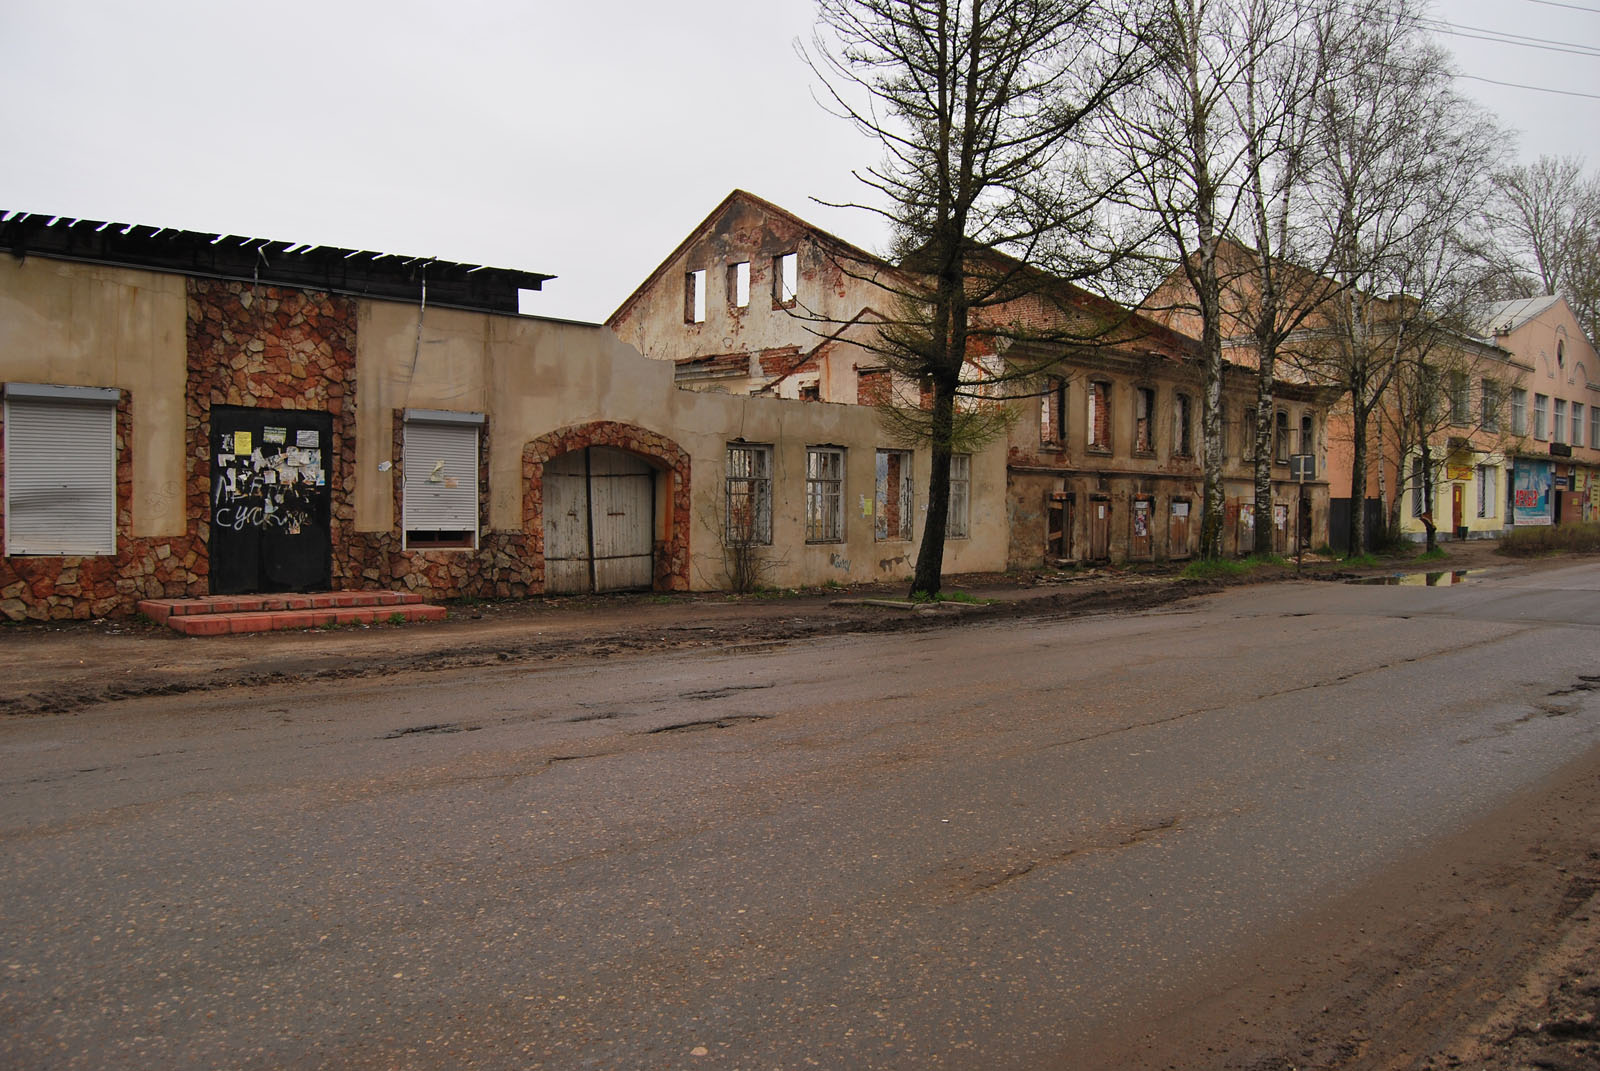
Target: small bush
pixel 397 618
pixel 1529 541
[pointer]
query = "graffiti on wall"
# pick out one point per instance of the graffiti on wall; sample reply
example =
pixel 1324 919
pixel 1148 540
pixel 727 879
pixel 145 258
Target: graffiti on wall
pixel 267 484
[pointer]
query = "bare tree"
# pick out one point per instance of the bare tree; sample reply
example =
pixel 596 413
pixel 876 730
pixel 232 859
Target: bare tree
pixel 977 105
pixel 1398 177
pixel 1547 229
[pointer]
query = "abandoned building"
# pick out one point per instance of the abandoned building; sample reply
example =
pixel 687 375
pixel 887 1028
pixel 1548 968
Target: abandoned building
pixel 1103 461
pixel 190 414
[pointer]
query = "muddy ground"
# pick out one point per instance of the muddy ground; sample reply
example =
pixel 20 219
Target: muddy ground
pixel 1500 970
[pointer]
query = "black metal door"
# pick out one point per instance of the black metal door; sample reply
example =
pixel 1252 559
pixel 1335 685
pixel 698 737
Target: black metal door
pixel 271 470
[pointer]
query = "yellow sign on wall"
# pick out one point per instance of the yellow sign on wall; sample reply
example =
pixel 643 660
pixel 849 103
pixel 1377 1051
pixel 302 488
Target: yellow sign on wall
pixel 1458 472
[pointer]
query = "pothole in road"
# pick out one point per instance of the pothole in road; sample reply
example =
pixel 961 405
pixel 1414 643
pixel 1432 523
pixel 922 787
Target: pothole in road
pixel 708 723
pixel 1420 580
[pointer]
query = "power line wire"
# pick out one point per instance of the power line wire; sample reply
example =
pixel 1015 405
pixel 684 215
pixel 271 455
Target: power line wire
pixel 1538 89
pixel 1570 7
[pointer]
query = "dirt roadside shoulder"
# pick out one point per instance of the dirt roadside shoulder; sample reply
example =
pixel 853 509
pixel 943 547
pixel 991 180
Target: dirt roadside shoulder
pixel 63 667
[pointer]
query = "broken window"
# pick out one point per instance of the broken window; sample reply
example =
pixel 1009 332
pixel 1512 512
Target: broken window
pixel 958 524
pixel 811 392
pixel 1099 422
pixel 1308 435
pixel 1182 429
pixel 892 495
pixel 824 494
pixel 749 495
pixel 694 297
pixel 785 280
pixel 1053 413
pixel 1280 446
pixel 1144 412
pixel 739 285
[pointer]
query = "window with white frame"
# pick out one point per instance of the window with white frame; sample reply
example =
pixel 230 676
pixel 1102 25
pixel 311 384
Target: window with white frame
pixel 892 495
pixel 959 523
pixel 824 494
pixel 60 470
pixel 1558 426
pixel 1577 423
pixel 1490 393
pixel 1594 426
pixel 1487 490
pixel 1541 407
pixel 439 472
pixel 748 495
pixel 1519 411
pixel 1419 501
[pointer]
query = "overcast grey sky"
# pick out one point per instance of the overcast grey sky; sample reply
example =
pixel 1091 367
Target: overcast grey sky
pixel 583 140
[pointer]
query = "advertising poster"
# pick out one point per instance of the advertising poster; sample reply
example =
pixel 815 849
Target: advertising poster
pixel 1531 498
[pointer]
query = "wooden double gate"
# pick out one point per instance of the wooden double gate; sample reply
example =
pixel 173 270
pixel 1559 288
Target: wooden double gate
pixel 599 522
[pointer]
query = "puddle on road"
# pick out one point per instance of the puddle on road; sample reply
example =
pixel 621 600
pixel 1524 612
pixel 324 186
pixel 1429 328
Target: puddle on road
pixel 1418 580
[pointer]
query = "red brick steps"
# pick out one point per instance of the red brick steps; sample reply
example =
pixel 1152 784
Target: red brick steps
pixel 220 615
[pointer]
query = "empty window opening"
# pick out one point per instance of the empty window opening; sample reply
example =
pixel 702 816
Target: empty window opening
pixel 1053 412
pixel 893 495
pixel 739 285
pixel 958 524
pixel 1144 410
pixel 1248 434
pixel 1099 421
pixel 1308 435
pixel 694 297
pixel 1280 450
pixel 811 392
pixel 1182 427
pixel 785 280
pixel 824 494
pixel 749 495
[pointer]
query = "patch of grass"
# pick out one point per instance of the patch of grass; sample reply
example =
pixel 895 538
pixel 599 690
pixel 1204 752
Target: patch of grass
pixel 1215 569
pixel 831 584
pixel 1266 559
pixel 659 599
pixel 1324 551
pixel 951 595
pixel 1531 541
pixel 397 618
pixel 1434 555
pixel 1363 561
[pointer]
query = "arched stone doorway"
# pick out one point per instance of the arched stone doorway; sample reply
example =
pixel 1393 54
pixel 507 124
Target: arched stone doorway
pixel 606 508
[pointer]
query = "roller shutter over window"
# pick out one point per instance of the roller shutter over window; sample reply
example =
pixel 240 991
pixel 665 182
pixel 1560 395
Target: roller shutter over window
pixel 440 500
pixel 61 470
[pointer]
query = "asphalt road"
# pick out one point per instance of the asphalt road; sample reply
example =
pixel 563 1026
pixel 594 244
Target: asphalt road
pixel 988 846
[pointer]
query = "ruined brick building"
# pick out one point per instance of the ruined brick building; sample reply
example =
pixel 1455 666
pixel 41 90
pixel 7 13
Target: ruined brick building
pixel 1103 460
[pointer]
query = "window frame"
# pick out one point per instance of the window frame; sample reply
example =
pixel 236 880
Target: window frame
pixel 1558 420
pixel 905 496
pixel 1097 400
pixel 1519 411
pixel 1541 410
pixel 1144 420
pixel 958 521
pixel 751 483
pixel 785 279
pixel 739 285
pixel 1183 425
pixel 824 517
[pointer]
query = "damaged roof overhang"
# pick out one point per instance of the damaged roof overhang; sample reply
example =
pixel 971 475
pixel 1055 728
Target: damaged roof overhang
pixel 355 272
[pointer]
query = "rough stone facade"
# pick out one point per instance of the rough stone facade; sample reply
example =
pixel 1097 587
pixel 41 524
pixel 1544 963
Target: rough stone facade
pixel 672 553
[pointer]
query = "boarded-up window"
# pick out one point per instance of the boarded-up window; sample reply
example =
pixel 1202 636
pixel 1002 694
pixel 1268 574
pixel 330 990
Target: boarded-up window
pixel 749 495
pixel 959 523
pixel 439 499
pixel 1099 415
pixel 893 495
pixel 61 470
pixel 824 494
pixel 1178 529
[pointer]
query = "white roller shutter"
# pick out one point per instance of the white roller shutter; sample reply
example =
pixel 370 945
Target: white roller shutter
pixel 441 477
pixel 61 475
